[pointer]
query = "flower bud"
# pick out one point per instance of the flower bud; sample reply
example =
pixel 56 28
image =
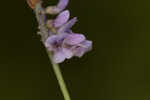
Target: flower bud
pixel 52 10
pixel 32 3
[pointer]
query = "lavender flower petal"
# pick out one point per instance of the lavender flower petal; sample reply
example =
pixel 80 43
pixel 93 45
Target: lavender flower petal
pixel 78 51
pixel 87 45
pixel 50 41
pixel 62 4
pixel 58 57
pixel 82 48
pixel 68 53
pixel 67 26
pixel 62 18
pixel 73 39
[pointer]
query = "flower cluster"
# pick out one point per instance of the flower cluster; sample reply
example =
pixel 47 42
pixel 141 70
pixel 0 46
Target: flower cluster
pixel 62 42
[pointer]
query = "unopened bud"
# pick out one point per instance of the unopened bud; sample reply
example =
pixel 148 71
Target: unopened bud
pixel 32 3
pixel 52 10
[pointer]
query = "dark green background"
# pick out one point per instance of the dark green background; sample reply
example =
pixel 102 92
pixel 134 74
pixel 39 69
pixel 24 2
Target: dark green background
pixel 118 68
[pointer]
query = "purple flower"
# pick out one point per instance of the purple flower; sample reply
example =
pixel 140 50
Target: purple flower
pixel 58 8
pixel 65 46
pixel 62 4
pixel 62 18
pixel 62 42
pixel 66 27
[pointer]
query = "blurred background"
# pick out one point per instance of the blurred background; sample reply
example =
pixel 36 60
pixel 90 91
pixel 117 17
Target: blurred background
pixel 118 68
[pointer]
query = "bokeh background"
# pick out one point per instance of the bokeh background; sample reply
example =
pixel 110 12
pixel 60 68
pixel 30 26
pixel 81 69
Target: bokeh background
pixel 118 68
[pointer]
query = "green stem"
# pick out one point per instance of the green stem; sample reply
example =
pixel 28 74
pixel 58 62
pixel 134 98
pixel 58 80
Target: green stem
pixel 59 78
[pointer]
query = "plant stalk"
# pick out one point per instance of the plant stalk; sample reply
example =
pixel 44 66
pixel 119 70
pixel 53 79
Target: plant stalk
pixel 59 77
pixel 41 16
